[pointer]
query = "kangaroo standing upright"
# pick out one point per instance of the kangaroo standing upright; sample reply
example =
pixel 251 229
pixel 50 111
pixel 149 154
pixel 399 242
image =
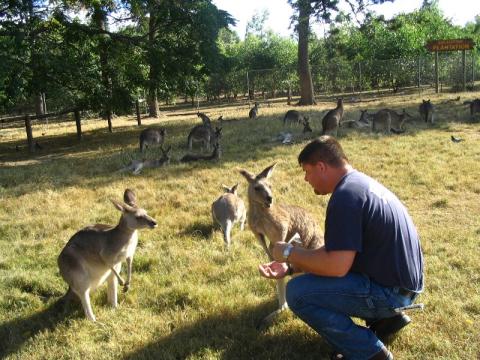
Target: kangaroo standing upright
pixel 95 254
pixel 253 113
pixel 332 119
pixel 426 111
pixel 151 136
pixel 228 209
pixel 277 223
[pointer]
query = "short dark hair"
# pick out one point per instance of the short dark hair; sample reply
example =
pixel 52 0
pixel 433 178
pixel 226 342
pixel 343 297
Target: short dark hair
pixel 324 148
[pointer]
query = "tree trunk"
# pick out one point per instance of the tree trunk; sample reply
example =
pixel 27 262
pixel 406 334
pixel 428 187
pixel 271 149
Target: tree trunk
pixel 306 84
pixel 100 21
pixel 152 77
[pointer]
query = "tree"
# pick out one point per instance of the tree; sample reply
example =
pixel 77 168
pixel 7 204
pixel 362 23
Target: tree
pixel 323 11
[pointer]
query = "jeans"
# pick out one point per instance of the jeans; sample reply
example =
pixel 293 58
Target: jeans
pixel 327 303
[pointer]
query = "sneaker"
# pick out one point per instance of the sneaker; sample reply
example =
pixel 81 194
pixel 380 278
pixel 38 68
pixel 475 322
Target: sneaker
pixel 384 328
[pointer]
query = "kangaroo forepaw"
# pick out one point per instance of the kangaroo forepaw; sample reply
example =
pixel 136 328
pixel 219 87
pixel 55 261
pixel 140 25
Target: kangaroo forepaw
pixel 126 287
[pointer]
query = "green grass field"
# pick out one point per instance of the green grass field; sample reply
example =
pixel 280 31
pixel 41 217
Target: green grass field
pixel 191 299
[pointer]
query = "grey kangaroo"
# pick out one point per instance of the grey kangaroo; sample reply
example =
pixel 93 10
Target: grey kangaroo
pixel 306 125
pixel 205 119
pixel 136 166
pixel 426 111
pixel 215 155
pixel 293 116
pixel 253 113
pixel 151 136
pixel 204 134
pixel 332 119
pixel 277 222
pixel 95 254
pixel 389 121
pixel 228 209
pixel 474 106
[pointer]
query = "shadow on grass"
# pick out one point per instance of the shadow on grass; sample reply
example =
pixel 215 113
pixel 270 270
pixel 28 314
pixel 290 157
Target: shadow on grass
pixel 231 335
pixel 199 229
pixel 15 333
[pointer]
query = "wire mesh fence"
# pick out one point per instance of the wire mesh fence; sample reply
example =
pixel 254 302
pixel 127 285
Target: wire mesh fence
pixel 342 76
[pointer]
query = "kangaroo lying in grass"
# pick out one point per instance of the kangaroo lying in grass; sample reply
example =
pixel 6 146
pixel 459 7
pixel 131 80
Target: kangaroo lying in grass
pixel 426 111
pixel 228 209
pixel 332 119
pixel 136 166
pixel 151 136
pixel 95 254
pixel 277 222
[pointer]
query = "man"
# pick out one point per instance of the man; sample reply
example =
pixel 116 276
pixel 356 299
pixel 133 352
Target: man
pixel 371 263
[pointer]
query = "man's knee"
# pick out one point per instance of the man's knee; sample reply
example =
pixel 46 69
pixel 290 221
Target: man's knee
pixel 294 292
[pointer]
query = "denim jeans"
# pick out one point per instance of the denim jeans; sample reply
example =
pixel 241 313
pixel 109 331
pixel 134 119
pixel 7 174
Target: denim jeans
pixel 327 303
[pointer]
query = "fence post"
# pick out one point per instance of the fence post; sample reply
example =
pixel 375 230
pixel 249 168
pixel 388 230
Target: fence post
pixel 360 76
pixel 76 113
pixel 436 72
pixel 28 127
pixel 137 109
pixel 473 70
pixel 248 88
pixel 464 69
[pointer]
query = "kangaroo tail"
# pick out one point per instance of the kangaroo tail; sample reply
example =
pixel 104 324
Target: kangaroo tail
pixel 397 131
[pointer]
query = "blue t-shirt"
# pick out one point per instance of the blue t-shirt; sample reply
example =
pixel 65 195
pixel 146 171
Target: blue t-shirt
pixel 364 216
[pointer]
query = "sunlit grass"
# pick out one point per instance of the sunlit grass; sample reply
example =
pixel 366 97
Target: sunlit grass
pixel 191 299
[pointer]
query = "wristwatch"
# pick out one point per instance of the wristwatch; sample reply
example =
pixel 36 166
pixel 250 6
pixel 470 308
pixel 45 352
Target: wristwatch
pixel 286 251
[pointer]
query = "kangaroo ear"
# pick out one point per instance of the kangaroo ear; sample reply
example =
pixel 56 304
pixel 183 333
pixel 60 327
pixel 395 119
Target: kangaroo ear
pixel 226 188
pixel 234 188
pixel 247 175
pixel 267 172
pixel 129 197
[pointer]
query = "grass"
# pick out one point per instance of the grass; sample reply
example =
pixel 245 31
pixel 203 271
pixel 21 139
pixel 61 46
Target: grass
pixel 191 299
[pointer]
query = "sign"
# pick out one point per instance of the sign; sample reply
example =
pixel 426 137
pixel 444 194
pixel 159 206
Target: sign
pixel 450 45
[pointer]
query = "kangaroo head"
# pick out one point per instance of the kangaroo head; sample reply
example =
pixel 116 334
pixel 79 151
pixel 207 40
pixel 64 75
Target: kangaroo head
pixel 134 217
pixel 306 125
pixel 163 131
pixel 259 189
pixel 340 102
pixel 232 190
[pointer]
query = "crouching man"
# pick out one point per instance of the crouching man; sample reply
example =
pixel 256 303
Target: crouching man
pixel 371 264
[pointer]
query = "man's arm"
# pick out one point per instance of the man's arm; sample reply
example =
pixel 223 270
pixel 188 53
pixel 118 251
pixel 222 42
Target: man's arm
pixel 319 261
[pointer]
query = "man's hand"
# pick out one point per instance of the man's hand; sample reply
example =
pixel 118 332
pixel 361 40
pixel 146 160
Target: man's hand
pixel 273 270
pixel 277 251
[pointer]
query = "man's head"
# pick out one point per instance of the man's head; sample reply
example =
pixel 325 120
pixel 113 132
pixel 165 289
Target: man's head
pixel 324 163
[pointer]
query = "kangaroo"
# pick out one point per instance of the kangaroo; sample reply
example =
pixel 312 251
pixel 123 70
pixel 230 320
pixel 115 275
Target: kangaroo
pixel 215 155
pixel 253 113
pixel 426 111
pixel 136 166
pixel 306 125
pixel 293 116
pixel 95 254
pixel 277 223
pixel 204 134
pixel 331 120
pixel 390 121
pixel 228 209
pixel 361 123
pixel 205 119
pixel 474 106
pixel 151 136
